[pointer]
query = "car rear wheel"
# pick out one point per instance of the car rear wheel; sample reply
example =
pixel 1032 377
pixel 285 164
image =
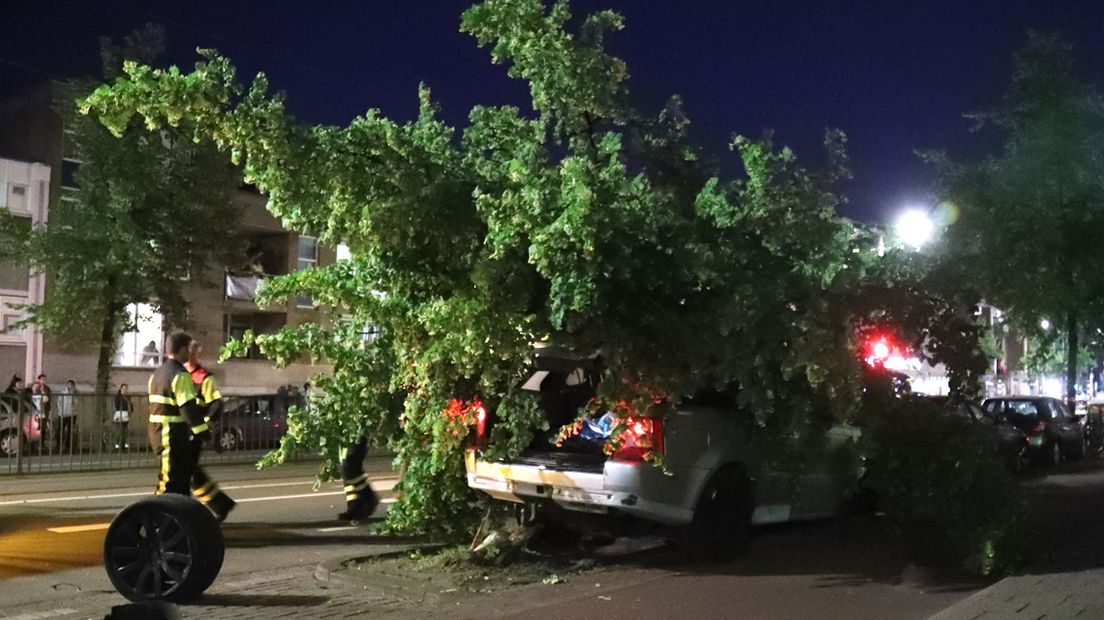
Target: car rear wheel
pixel 721 527
pixel 9 443
pixel 166 548
pixel 229 439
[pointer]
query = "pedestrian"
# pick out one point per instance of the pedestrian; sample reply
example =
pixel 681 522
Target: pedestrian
pixel 208 397
pixel 13 394
pixel 150 354
pixel 40 396
pixel 120 419
pixel 360 499
pixel 177 431
pixel 66 415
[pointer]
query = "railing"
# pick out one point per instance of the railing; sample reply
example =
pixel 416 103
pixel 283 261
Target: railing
pixel 242 286
pixel 73 437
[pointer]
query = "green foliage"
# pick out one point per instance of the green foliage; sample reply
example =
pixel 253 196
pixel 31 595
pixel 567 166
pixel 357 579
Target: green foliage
pixel 587 223
pixel 1032 213
pixel 944 489
pixel 152 208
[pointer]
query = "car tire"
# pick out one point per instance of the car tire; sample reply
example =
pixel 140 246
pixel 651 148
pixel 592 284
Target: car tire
pixel 163 548
pixel 9 443
pixel 721 526
pixel 230 440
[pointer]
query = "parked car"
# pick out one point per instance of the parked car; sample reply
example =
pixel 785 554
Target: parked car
pixel 9 422
pixel 716 482
pixel 1053 433
pixel 252 422
pixel 1010 441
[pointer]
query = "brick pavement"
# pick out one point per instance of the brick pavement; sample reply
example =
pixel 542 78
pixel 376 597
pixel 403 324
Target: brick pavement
pixel 1055 596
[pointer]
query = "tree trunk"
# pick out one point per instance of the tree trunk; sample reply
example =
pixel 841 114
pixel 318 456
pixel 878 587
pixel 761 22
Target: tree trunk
pixel 1071 360
pixel 107 349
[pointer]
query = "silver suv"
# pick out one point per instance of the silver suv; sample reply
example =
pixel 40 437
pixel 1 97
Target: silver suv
pixel 716 482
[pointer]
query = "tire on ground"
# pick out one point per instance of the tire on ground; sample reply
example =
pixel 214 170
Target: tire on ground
pixel 721 527
pixel 167 547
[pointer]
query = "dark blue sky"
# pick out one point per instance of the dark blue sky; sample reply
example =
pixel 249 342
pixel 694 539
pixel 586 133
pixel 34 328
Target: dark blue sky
pixel 896 76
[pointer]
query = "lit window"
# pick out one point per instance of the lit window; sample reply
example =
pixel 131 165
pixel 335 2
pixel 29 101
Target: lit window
pixel 144 344
pixel 343 252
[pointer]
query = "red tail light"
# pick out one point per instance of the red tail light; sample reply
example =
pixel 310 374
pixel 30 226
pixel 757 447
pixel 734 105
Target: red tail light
pixel 481 435
pixel 642 437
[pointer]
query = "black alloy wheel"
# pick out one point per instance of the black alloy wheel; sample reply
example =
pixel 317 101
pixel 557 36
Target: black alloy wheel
pixel 164 548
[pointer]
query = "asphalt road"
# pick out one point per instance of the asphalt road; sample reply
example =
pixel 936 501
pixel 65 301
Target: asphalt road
pixel 52 526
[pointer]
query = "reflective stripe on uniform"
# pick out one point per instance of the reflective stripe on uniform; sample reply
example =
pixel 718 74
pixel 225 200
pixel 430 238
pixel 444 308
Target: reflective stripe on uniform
pixel 200 428
pixel 165 419
pixel 357 484
pixel 163 478
pixel 161 400
pixel 210 390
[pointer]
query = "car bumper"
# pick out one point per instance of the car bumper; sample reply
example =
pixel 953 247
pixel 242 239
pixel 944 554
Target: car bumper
pixel 637 489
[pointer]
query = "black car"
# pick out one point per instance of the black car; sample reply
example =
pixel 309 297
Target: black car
pixel 252 422
pixel 1053 433
pixel 1011 442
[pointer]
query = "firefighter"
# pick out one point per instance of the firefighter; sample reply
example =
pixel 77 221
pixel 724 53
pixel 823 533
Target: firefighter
pixel 176 426
pixel 208 397
pixel 360 499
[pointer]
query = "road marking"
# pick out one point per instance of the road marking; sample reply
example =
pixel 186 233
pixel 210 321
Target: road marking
pixel 338 529
pixel 383 484
pixel 39 615
pixel 73 529
pixel 269 499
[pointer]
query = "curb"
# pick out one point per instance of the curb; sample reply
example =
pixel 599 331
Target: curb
pixel 332 571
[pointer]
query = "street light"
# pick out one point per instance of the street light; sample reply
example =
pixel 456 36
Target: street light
pixel 1045 324
pixel 914 228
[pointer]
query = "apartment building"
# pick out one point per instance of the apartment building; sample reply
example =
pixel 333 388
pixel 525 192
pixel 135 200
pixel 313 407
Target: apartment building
pixel 25 193
pixel 221 299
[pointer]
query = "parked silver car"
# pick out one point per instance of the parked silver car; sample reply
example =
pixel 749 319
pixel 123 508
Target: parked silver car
pixel 9 422
pixel 716 482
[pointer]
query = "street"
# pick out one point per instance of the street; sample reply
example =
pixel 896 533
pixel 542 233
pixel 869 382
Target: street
pixel 283 533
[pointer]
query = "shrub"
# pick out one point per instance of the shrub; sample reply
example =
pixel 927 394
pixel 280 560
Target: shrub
pixel 943 488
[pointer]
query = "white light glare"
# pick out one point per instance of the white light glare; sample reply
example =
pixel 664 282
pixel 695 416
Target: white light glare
pixel 914 228
pixel 1045 324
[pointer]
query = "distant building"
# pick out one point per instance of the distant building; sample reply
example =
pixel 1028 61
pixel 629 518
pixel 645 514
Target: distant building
pixel 222 305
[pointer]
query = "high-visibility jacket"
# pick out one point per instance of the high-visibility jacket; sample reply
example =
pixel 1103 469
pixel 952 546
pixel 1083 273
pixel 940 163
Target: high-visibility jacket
pixel 207 392
pixel 172 397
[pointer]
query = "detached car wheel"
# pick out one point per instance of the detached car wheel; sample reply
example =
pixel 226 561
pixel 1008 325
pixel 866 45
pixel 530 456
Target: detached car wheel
pixel 721 528
pixel 164 548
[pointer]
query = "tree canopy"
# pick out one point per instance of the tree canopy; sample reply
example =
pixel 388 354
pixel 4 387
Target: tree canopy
pixel 150 211
pixel 586 223
pixel 1031 215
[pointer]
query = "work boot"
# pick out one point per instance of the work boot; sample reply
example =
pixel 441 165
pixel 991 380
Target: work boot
pixel 221 505
pixel 361 506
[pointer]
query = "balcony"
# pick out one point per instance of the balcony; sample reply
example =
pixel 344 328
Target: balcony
pixel 242 286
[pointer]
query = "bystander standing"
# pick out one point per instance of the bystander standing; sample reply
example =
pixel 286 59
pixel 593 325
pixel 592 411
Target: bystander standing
pixel 66 415
pixel 121 418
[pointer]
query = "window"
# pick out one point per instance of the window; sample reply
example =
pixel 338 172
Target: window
pixel 145 344
pixel 235 326
pixel 69 169
pixel 14 197
pixel 308 257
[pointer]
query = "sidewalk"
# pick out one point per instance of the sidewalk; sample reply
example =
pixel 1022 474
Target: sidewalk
pixel 1053 596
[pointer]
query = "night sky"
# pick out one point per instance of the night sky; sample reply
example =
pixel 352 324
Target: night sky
pixel 896 76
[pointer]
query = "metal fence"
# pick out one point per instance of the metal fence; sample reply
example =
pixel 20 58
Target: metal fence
pixel 67 433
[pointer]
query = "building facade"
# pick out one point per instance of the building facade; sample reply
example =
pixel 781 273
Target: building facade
pixel 221 298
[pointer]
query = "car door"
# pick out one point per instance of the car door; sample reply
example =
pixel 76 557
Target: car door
pixel 1065 424
pixel 829 473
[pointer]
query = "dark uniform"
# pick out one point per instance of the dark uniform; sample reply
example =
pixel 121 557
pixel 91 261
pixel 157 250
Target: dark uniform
pixel 204 487
pixel 176 427
pixel 360 499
